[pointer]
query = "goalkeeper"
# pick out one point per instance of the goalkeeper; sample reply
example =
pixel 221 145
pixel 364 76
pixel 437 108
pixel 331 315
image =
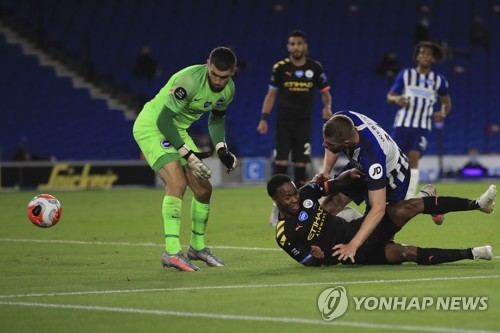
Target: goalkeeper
pixel 161 132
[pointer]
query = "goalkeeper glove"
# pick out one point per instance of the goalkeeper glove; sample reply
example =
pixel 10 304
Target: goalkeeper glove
pixel 200 170
pixel 226 157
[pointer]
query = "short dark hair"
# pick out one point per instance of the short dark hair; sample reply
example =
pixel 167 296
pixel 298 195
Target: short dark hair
pixel 437 51
pixel 297 33
pixel 339 128
pixel 275 182
pixel 223 58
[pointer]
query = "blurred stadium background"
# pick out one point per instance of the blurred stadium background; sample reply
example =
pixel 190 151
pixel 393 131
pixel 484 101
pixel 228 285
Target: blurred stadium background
pixel 68 88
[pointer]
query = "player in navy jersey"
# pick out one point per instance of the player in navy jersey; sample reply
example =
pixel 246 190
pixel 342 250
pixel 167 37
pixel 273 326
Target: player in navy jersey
pixel 415 91
pixel 370 149
pixel 313 237
pixel 295 78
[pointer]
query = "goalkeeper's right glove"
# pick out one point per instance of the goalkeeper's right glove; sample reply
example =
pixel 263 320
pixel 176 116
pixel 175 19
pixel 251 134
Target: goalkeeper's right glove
pixel 200 170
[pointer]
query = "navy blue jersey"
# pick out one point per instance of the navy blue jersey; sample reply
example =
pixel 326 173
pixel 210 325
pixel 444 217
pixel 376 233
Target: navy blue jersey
pixel 422 91
pixel 379 157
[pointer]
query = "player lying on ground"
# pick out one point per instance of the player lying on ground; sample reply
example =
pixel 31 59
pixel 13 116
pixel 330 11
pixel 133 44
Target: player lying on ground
pixel 311 235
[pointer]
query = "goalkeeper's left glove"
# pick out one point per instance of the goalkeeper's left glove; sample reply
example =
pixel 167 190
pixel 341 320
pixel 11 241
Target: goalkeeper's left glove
pixel 226 157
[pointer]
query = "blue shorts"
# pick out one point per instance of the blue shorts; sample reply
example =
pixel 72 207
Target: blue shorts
pixel 411 139
pixel 358 192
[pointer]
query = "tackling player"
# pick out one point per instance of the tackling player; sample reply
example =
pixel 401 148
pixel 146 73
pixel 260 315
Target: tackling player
pixel 370 149
pixel 161 132
pixel 313 237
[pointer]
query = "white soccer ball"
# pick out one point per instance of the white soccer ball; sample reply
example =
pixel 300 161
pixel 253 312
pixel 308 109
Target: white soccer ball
pixel 44 210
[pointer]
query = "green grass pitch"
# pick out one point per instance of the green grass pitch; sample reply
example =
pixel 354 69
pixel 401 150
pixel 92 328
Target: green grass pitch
pixel 99 270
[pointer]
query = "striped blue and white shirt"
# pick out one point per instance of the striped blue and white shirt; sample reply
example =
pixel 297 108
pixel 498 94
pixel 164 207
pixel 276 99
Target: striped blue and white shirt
pixel 422 91
pixel 378 156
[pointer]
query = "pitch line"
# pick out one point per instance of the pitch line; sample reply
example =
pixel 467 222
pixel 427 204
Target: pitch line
pixel 278 285
pixel 249 318
pixel 55 241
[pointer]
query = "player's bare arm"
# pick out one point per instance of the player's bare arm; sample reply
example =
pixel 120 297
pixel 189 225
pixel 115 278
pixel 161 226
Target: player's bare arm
pixel 445 108
pixel 326 98
pixel 393 98
pixel 267 107
pixel 378 204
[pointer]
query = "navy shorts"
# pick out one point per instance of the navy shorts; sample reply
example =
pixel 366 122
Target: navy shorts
pixel 411 139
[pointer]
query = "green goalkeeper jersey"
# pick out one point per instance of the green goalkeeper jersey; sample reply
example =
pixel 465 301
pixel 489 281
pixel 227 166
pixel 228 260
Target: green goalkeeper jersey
pixel 189 96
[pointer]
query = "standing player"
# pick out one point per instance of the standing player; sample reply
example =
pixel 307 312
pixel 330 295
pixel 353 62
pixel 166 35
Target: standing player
pixel 314 237
pixel 296 78
pixel 415 91
pixel 161 132
pixel 370 149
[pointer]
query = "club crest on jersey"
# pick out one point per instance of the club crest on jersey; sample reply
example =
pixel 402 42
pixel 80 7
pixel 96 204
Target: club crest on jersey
pixel 307 203
pixel 299 73
pixel 207 104
pixel 220 101
pixel 309 73
pixel 165 144
pixel 180 93
pixel 303 216
pixel 375 171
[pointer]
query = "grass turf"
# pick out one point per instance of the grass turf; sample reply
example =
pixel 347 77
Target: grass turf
pixel 100 270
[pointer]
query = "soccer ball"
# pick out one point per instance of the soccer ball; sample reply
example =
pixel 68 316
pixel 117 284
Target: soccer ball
pixel 44 210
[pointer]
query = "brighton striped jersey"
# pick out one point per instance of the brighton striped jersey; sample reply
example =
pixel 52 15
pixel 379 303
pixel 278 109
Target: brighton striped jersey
pixel 378 156
pixel 422 91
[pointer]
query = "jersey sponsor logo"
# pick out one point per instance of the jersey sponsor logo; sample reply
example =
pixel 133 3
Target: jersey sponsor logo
pixel 207 104
pixel 165 144
pixel 180 93
pixel 307 203
pixel 299 73
pixel 303 216
pixel 317 225
pixel 309 73
pixel 219 102
pixel 295 84
pixel 375 171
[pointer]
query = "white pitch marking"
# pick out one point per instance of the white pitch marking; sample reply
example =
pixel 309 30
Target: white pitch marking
pixel 249 318
pixel 56 241
pixel 278 285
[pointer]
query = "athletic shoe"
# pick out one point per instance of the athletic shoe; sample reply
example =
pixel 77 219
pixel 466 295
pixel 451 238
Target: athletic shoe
pixel 430 191
pixel 486 201
pixel 206 256
pixel 178 261
pixel 482 252
pixel 273 218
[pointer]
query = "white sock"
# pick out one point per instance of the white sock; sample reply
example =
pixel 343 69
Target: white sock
pixel 413 184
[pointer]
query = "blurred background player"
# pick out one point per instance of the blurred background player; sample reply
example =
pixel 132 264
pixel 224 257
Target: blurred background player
pixel 415 91
pixel 296 78
pixel 161 132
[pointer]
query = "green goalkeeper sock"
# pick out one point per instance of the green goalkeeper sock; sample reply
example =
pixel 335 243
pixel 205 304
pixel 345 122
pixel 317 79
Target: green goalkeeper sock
pixel 171 211
pixel 199 217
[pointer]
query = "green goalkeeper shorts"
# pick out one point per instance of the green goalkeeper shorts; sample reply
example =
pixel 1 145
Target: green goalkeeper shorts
pixel 156 149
